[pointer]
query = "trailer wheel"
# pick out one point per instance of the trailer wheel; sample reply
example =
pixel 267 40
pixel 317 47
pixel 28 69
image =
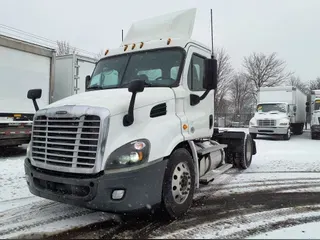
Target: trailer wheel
pixel 178 184
pixel 243 159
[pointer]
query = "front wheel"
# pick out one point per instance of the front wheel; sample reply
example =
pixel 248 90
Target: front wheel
pixel 179 184
pixel 288 135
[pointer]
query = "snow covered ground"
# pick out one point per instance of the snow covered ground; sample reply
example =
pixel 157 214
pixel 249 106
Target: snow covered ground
pixel 277 197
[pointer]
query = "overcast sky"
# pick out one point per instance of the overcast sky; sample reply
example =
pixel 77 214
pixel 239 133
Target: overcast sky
pixel 288 27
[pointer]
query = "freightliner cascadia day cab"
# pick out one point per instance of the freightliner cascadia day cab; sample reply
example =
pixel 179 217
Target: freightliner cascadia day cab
pixel 22 65
pixel 141 137
pixel 315 113
pixel 280 111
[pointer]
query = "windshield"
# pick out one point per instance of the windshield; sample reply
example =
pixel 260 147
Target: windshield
pixel 281 107
pixel 156 68
pixel 317 104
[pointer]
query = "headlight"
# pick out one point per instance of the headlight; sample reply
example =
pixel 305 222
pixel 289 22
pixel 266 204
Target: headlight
pixel 284 122
pixel 131 154
pixel 252 123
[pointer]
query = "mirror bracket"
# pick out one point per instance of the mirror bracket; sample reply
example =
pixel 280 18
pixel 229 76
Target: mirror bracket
pixel 195 99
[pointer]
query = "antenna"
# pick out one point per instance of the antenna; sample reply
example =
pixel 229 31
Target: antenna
pixel 122 35
pixel 211 23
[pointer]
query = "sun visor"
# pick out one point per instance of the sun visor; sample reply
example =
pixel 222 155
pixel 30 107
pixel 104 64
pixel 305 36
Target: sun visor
pixel 174 25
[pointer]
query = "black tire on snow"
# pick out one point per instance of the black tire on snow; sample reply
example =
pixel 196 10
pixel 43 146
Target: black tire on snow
pixel 172 209
pixel 253 135
pixel 287 136
pixel 241 160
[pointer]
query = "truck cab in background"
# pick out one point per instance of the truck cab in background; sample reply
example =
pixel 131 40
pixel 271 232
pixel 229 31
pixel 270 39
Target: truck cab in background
pixel 280 111
pixel 315 113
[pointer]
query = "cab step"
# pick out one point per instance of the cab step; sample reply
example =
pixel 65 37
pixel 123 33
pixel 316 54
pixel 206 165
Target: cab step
pixel 210 176
pixel 214 148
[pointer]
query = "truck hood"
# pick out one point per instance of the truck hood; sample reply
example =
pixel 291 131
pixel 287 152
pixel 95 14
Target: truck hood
pixel 270 115
pixel 117 100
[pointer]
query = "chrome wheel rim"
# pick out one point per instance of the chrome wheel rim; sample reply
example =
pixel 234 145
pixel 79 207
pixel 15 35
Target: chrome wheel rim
pixel 181 183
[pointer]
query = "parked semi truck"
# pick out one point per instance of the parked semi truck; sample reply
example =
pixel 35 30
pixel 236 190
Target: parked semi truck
pixel 142 135
pixel 280 111
pixel 70 73
pixel 315 113
pixel 23 65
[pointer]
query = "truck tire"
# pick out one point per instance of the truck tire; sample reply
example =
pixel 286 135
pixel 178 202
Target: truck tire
pixel 243 159
pixel 178 184
pixel 253 135
pixel 297 128
pixel 288 135
pixel 313 136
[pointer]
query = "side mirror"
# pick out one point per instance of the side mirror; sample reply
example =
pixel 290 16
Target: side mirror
pixel 136 86
pixel 34 94
pixel 210 80
pixel 88 79
pixel 307 107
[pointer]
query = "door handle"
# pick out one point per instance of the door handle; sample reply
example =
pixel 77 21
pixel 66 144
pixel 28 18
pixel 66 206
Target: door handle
pixel 210 121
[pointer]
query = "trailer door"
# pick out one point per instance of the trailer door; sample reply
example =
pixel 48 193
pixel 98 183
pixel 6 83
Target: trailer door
pixel 83 68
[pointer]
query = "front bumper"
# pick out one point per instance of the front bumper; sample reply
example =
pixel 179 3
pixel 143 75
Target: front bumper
pixel 143 188
pixel 268 130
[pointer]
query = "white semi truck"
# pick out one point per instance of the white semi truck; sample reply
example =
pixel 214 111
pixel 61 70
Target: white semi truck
pixel 315 113
pixel 23 65
pixel 70 74
pixel 280 111
pixel 142 135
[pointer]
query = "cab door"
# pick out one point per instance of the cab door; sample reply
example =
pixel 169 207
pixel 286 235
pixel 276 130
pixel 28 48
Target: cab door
pixel 200 117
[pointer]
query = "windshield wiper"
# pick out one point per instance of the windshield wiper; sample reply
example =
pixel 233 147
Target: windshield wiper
pixel 147 84
pixel 94 87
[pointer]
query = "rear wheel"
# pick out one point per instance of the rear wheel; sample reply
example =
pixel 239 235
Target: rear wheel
pixel 179 184
pixel 243 159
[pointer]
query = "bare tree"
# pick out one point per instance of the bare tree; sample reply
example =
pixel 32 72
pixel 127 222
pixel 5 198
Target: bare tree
pixel 241 93
pixel 64 48
pixel 314 84
pixel 296 82
pixel 265 71
pixel 224 73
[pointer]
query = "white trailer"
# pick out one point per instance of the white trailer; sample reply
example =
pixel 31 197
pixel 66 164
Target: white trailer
pixel 70 73
pixel 315 113
pixel 23 65
pixel 280 111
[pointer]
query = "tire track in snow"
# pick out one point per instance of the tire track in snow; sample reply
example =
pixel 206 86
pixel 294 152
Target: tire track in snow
pixel 247 225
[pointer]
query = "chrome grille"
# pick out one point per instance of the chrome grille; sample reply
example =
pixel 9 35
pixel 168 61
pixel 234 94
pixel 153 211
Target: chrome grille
pixel 267 123
pixel 70 142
